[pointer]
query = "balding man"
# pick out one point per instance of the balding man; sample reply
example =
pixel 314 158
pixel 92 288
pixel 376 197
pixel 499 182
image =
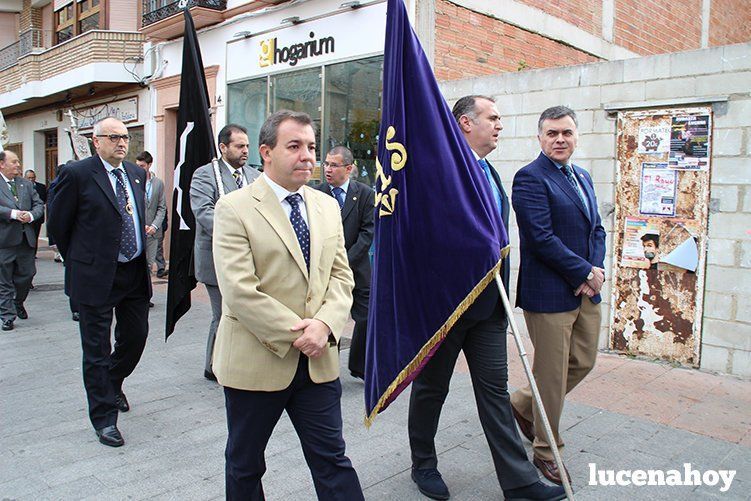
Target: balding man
pixel 97 218
pixel 19 207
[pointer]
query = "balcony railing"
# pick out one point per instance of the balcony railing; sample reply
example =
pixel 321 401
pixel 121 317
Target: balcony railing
pixel 156 10
pixel 31 40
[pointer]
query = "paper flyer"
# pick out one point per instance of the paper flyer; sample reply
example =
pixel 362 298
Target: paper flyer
pixel 654 140
pixel 689 142
pixel 658 192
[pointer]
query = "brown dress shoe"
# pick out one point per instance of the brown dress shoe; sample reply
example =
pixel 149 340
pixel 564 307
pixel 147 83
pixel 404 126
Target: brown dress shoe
pixel 550 470
pixel 525 426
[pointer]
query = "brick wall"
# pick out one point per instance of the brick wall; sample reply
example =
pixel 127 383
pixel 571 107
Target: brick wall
pixel 585 14
pixel 649 81
pixel 91 47
pixel 730 22
pixel 471 44
pixel 658 26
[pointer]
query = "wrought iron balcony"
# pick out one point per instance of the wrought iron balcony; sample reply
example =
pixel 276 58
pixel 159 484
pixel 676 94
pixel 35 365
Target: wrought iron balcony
pixel 31 40
pixel 156 10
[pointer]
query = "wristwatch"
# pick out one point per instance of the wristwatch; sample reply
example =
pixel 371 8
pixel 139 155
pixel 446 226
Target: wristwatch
pixel 591 275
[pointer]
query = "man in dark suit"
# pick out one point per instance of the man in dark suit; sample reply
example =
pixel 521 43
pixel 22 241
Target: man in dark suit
pixel 20 206
pixel 41 190
pixel 204 193
pixel 96 217
pixel 356 201
pixel 562 247
pixel 481 334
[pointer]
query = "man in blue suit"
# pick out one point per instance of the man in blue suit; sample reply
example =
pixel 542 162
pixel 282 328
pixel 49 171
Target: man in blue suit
pixel 562 247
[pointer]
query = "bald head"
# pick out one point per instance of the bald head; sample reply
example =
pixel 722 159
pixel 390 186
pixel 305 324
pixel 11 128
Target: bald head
pixel 111 140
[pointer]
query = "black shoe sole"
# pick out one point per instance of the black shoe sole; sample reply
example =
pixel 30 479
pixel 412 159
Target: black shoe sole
pixel 110 443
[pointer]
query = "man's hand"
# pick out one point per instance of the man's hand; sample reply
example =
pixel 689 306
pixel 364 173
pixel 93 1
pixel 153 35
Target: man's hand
pixel 150 230
pixel 585 289
pixel 597 280
pixel 24 216
pixel 314 338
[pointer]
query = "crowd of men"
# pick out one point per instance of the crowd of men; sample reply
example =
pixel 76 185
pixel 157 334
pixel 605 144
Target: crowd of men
pixel 285 265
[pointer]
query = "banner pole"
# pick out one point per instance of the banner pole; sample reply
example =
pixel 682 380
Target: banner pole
pixel 533 386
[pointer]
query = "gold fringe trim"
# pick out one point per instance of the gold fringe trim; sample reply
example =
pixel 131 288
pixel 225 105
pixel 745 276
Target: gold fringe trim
pixel 438 337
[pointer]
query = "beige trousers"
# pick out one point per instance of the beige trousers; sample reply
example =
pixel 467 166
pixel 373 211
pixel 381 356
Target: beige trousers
pixel 565 351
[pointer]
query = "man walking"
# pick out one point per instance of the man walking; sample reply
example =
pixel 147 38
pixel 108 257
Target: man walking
pixel 562 247
pixel 481 334
pixel 282 269
pixel 156 210
pixel 96 217
pixel 20 206
pixel 356 203
pixel 204 193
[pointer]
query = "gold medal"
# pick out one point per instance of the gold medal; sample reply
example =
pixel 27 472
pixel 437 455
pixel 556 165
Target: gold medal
pixel 129 208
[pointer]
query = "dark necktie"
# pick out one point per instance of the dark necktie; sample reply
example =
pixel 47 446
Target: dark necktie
pixel 298 224
pixel 339 195
pixel 238 178
pixel 496 192
pixel 128 245
pixel 568 171
pixel 12 186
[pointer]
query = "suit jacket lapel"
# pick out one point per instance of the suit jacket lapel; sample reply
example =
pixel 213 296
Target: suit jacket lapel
pixel 588 192
pixel 101 177
pixel 5 189
pixel 227 179
pixel 315 225
pixel 139 191
pixel 504 197
pixel 560 179
pixel 350 200
pixel 271 210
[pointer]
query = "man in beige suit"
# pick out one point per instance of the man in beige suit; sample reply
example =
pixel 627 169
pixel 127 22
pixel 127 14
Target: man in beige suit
pixel 287 290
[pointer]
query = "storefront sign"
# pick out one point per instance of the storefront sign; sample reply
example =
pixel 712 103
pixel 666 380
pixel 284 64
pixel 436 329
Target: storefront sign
pixel 336 37
pixel 125 110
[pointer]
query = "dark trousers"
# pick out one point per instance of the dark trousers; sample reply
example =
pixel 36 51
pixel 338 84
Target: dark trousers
pixel 103 369
pixel 316 414
pixel 359 314
pixel 484 346
pixel 17 270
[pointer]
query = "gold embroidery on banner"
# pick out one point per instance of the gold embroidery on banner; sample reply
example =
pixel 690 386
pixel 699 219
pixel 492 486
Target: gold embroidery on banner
pixel 385 198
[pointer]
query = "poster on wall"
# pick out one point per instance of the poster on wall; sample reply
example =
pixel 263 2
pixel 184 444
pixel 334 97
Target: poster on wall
pixel 654 140
pixel 689 142
pixel 641 239
pixel 659 186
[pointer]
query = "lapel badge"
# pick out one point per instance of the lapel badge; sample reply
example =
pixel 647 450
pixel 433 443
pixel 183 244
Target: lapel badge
pixel 354 198
pixel 138 181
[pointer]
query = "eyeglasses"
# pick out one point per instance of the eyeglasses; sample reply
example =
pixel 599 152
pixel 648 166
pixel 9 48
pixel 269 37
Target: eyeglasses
pixel 115 138
pixel 333 165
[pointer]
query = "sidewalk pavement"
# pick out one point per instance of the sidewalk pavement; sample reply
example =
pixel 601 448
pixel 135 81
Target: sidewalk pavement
pixel 628 414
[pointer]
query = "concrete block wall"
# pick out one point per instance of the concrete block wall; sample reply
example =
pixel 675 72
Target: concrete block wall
pixel 653 81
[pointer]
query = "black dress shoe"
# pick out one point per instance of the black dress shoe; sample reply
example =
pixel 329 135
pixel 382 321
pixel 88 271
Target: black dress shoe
pixel 161 273
pixel 535 492
pixel 151 305
pixel 357 375
pixel 21 312
pixel 525 426
pixel 110 435
pixel 121 402
pixel 430 483
pixel 76 316
pixel 8 325
pixel 209 375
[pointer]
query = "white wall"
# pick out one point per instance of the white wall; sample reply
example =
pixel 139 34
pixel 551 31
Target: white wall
pixel 654 81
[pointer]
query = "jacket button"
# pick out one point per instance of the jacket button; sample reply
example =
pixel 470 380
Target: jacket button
pixel 308 299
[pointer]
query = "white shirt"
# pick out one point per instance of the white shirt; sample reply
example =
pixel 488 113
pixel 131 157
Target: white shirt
pixel 13 212
pixel 131 199
pixel 282 194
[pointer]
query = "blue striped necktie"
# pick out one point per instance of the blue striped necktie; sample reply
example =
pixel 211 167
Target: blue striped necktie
pixel 339 195
pixel 496 192
pixel 568 172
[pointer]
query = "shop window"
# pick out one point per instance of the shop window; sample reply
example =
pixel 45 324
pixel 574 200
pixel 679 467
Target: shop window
pixel 248 105
pixel 350 116
pixel 353 112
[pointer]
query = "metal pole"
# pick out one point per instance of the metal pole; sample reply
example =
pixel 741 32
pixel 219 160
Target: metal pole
pixel 533 387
